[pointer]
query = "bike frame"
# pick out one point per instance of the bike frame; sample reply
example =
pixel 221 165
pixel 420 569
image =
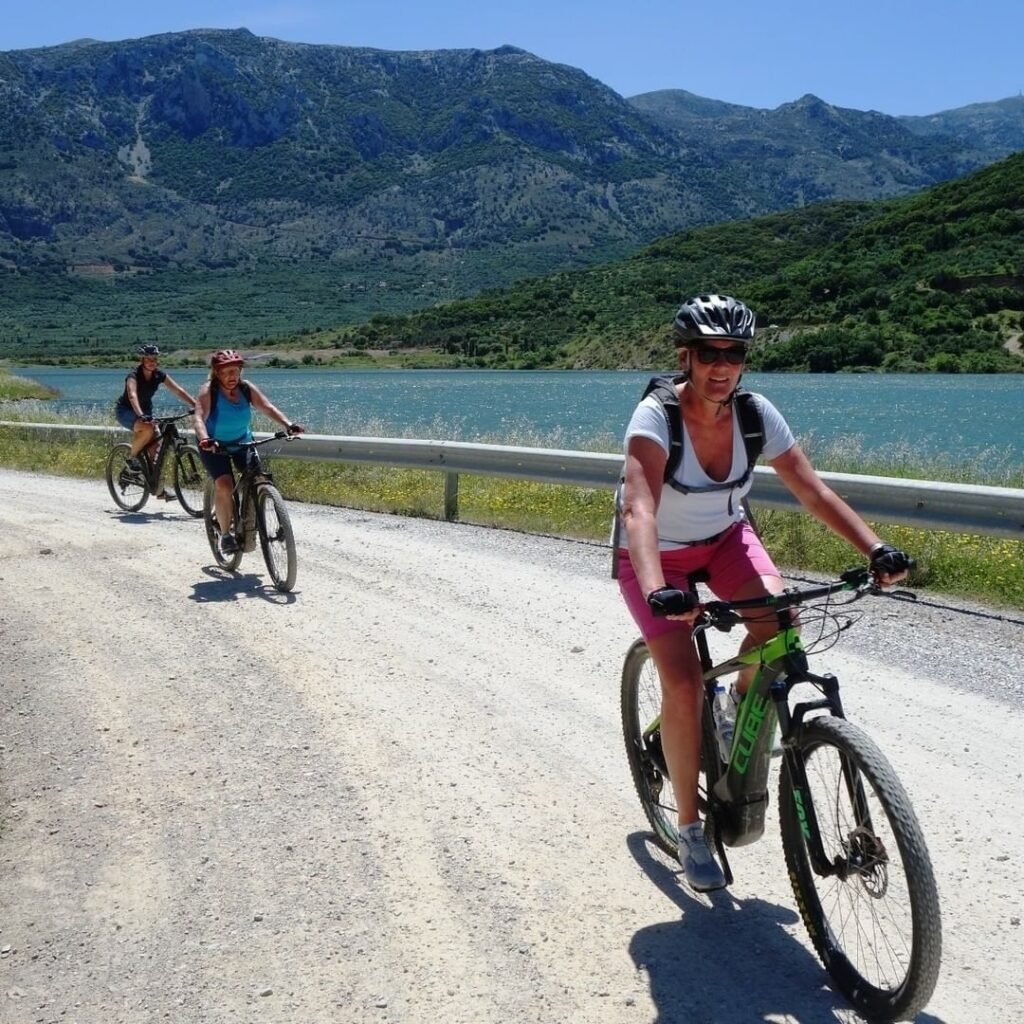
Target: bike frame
pixel 737 794
pixel 247 482
pixel 244 496
pixel 168 437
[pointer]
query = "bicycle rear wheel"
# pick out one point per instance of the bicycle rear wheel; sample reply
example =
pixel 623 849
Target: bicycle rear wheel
pixel 128 487
pixel 641 729
pixel 874 920
pixel 189 478
pixel 276 537
pixel 213 530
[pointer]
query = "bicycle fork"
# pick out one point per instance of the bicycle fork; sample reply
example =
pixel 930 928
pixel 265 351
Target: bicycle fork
pixel 800 788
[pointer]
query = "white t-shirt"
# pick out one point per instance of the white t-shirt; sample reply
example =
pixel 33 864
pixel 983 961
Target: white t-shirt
pixel 684 518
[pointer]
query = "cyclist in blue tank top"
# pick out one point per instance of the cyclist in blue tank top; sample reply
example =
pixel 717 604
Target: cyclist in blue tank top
pixel 224 418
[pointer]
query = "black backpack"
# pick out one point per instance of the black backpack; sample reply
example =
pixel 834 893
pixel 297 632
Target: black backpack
pixel 663 388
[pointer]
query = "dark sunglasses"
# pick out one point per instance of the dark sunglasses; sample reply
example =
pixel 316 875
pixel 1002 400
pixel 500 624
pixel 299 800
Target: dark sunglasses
pixel 708 354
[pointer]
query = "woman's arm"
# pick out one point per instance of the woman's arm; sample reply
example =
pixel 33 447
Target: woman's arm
pixel 641 494
pixel 202 410
pixel 265 406
pixel 131 386
pixel 797 473
pixel 177 389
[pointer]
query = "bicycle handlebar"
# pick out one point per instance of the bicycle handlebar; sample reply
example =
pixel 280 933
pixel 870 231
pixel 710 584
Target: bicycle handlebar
pixel 164 420
pixel 280 435
pixel 723 615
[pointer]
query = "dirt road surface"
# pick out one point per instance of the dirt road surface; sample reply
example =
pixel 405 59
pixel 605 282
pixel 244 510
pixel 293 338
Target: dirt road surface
pixel 400 793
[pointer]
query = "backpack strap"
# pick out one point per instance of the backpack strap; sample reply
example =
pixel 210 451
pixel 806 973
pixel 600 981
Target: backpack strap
pixel 752 431
pixel 751 425
pixel 663 388
pixel 243 386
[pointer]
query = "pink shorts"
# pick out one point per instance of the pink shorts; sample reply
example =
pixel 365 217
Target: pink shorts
pixel 733 560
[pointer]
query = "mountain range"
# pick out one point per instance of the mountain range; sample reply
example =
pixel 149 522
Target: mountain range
pixel 219 184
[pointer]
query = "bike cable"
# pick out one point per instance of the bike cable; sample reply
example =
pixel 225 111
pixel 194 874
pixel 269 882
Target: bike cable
pixel 910 596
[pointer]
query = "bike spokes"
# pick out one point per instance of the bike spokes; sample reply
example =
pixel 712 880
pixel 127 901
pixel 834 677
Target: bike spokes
pixel 276 537
pixel 127 484
pixel 870 905
pixel 641 708
pixel 189 480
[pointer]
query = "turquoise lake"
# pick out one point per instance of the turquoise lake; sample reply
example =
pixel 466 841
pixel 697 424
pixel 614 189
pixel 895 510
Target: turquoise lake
pixel 958 416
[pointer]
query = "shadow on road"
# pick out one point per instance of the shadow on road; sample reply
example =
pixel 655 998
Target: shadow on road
pixel 729 961
pixel 141 517
pixel 223 585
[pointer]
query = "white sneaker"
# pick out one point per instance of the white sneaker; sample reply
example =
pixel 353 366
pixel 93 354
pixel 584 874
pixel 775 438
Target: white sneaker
pixel 701 869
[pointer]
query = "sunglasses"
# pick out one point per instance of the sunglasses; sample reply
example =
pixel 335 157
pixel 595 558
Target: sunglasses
pixel 708 354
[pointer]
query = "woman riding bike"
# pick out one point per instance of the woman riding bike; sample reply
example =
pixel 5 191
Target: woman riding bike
pixel 695 522
pixel 224 417
pixel 134 409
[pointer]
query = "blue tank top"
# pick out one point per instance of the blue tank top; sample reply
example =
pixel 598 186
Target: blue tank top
pixel 230 422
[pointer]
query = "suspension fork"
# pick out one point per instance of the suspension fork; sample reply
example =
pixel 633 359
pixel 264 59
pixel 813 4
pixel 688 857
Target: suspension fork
pixel 801 793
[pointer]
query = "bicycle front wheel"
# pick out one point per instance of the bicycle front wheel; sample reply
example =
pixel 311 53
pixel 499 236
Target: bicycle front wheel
pixel 874 916
pixel 213 530
pixel 189 478
pixel 276 537
pixel 128 487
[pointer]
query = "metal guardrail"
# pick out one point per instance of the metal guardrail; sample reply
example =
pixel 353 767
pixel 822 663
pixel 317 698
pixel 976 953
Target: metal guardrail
pixel 959 508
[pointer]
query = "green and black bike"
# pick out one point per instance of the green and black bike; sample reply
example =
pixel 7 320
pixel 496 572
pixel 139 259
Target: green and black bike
pixel 131 485
pixel 857 858
pixel 259 512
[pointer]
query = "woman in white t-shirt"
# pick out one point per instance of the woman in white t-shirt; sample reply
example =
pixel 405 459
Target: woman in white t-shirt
pixel 695 522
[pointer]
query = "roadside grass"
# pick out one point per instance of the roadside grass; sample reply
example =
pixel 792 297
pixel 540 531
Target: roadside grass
pixel 980 567
pixel 14 388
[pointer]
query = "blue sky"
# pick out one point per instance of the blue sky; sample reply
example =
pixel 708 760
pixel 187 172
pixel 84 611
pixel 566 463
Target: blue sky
pixel 899 57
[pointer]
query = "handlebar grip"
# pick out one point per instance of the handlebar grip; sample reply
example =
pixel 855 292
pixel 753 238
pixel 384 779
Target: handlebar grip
pixel 671 601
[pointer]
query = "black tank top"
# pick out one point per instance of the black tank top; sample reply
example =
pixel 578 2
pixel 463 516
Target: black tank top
pixel 146 390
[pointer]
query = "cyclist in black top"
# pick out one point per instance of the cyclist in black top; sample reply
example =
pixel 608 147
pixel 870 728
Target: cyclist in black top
pixel 134 409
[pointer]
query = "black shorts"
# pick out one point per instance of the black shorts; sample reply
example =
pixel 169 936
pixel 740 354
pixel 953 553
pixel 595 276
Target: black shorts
pixel 219 463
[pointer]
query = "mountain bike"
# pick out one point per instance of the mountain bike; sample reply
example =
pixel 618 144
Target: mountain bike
pixel 259 511
pixel 130 486
pixel 856 856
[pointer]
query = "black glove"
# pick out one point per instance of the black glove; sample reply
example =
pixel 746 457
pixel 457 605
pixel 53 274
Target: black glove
pixel 146 419
pixel 889 561
pixel 295 428
pixel 670 601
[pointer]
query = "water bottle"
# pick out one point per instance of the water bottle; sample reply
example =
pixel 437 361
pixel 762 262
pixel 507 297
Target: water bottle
pixel 725 721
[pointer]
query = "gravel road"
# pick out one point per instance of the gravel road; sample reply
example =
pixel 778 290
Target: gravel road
pixel 400 793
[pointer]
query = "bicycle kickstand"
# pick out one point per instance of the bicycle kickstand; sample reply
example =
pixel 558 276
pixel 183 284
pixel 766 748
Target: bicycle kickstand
pixel 722 858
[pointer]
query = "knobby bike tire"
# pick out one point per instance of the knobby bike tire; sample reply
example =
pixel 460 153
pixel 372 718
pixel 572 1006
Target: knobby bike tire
pixel 213 530
pixel 640 707
pixel 641 710
pixel 277 539
pixel 189 479
pixel 129 489
pixel 878 932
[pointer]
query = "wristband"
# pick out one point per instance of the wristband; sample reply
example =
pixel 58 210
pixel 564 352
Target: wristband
pixel 876 548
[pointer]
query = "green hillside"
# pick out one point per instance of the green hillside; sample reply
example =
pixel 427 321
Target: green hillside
pixel 213 187
pixel 930 282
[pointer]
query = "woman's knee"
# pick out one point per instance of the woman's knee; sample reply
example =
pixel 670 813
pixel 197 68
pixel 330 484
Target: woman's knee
pixel 677 663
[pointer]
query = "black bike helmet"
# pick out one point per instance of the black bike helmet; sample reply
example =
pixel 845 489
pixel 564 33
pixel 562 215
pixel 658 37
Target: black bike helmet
pixel 710 317
pixel 149 350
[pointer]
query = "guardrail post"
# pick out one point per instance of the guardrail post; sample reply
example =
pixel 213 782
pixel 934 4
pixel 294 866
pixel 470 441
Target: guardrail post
pixel 451 497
